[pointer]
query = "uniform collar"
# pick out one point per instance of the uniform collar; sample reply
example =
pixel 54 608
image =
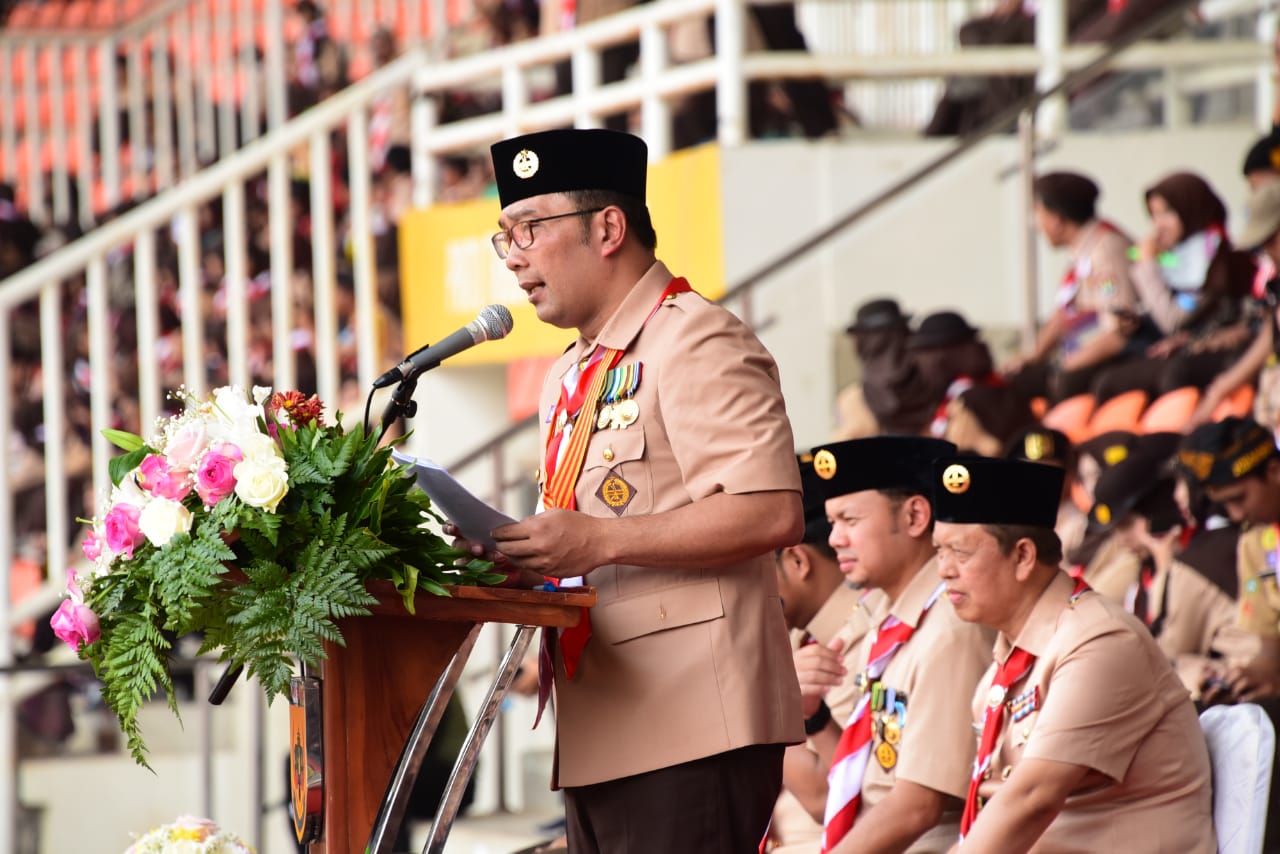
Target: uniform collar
pixel 834 613
pixel 910 605
pixel 630 316
pixel 1042 622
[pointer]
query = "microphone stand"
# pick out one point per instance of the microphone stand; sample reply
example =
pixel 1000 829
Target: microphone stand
pixel 401 404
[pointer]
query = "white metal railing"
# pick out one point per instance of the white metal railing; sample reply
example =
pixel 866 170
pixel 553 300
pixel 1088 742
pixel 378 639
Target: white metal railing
pixel 84 268
pixel 185 83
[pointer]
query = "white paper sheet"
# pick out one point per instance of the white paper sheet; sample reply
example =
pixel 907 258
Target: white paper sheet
pixel 474 518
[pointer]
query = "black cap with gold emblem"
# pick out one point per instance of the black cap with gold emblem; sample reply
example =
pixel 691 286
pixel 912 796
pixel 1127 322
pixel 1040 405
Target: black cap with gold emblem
pixel 974 490
pixel 1141 483
pixel 879 463
pixel 560 161
pixel 1219 454
pixel 817 528
pixel 1039 445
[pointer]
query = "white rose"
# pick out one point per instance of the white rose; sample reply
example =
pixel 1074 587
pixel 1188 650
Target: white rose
pixel 162 519
pixel 257 446
pixel 262 482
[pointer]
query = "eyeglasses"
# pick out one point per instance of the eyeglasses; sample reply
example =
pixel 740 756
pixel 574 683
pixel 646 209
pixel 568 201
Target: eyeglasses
pixel 521 234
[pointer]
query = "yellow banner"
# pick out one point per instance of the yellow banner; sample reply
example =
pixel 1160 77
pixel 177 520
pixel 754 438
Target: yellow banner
pixel 449 271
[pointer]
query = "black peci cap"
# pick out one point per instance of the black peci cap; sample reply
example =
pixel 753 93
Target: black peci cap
pixel 879 463
pixel 561 161
pixel 1221 453
pixel 974 490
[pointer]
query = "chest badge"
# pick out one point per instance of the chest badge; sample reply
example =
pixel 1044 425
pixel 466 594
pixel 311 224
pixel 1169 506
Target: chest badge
pixel 615 492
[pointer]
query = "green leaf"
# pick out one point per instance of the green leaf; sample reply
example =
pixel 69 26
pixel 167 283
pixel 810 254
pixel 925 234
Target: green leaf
pixel 123 440
pixel 120 466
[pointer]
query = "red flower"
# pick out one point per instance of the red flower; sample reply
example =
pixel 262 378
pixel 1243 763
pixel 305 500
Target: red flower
pixel 298 409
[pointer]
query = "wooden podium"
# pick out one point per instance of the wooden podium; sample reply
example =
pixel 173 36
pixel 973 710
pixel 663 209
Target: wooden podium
pixel 378 693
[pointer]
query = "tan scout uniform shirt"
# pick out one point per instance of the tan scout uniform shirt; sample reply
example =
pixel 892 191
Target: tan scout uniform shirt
pixel 1113 570
pixel 937 670
pixel 1103 286
pixel 1259 605
pixel 848 614
pixel 1108 700
pixel 1191 617
pixel 682 663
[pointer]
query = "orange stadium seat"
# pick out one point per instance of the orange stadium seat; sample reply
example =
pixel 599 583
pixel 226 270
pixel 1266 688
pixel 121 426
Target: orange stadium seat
pixel 1071 416
pixel 1119 413
pixel 22 16
pixel 1170 412
pixel 1239 403
pixel 1039 406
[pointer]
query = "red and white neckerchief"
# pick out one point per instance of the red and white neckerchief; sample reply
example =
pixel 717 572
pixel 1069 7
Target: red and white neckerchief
pixel 849 764
pixel 380 120
pixel 1081 269
pixel 1015 668
pixel 566 450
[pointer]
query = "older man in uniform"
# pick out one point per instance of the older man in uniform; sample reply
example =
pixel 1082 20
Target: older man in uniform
pixel 1088 740
pixel 821 607
pixel 668 480
pixel 897 767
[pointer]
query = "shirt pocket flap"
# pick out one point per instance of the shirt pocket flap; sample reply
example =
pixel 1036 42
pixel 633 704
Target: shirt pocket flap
pixel 609 448
pixel 636 616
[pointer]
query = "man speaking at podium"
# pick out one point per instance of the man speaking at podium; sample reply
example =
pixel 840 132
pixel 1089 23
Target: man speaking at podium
pixel 668 479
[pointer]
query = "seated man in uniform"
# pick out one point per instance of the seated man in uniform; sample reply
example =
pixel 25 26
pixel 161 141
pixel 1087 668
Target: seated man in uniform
pixel 820 607
pixel 1237 464
pixel 1191 618
pixel 898 766
pixel 1088 740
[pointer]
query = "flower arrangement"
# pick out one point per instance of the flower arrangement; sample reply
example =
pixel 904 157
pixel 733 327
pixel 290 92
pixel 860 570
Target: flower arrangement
pixel 249 520
pixel 189 835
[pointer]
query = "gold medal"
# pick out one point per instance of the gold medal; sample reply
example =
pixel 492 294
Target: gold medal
pixel 886 756
pixel 605 418
pixel 996 695
pixel 625 413
pixel 1269 539
pixel 892 730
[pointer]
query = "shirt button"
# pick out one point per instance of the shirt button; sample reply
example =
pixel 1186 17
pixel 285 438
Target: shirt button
pixel 1004 775
pixel 608 455
pixel 986 775
pixel 662 613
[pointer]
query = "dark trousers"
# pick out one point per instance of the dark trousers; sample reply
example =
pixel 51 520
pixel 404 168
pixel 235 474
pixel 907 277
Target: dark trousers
pixel 717 805
pixel 1159 376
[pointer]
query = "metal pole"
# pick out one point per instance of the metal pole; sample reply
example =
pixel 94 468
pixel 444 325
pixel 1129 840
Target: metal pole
pixel 138 141
pixel 466 763
pixel 1265 100
pixel 422 115
pixel 57 95
pixel 235 283
pixel 731 84
pixel 277 101
pixel 190 285
pixel 1051 40
pixel 144 284
pixel 655 113
pixel 391 813
pixel 322 268
pixel 363 262
pixel 8 121
pixel 8 736
pixel 585 69
pixel 32 138
pixel 108 121
pixel 281 227
pixel 163 117
pixel 1026 213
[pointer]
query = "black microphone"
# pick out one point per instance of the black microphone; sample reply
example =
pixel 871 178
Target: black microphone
pixel 493 322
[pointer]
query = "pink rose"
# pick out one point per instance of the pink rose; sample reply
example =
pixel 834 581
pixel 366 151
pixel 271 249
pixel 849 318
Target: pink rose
pixel 186 446
pixel 121 529
pixel 74 624
pixel 93 545
pixel 157 478
pixel 216 479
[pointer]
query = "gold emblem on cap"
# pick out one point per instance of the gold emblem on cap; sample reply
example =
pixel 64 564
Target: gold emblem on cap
pixel 1114 454
pixel 525 164
pixel 824 464
pixel 1103 514
pixel 955 479
pixel 1038 446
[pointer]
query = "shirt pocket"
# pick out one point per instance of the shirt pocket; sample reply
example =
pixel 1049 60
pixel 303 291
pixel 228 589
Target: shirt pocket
pixel 662 610
pixel 616 478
